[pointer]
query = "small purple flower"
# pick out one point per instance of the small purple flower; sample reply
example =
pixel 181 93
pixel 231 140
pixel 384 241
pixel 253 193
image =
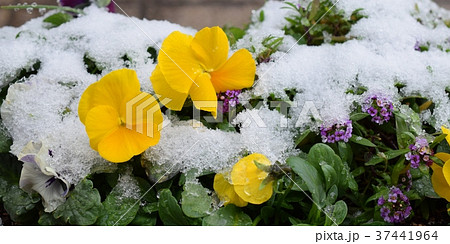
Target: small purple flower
pixel 397 208
pixel 381 201
pixel 384 212
pixel 420 152
pixel 72 3
pixel 372 111
pixel 392 198
pixel 415 161
pixel 229 98
pixel 407 211
pixel 337 132
pixel 405 181
pixel 417 46
pixel 380 108
pixel 76 3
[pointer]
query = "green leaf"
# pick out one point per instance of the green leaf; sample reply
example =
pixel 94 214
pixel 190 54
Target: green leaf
pixel 395 153
pixel 358 171
pixel 82 207
pixel 144 219
pixel 195 200
pixel 438 140
pixel 169 210
pixel 233 34
pixel 305 22
pixel 226 126
pixel 351 182
pixel 229 215
pixel 362 141
pixel 330 175
pixel 156 172
pixel 311 176
pixel 3 187
pixel 151 207
pixel 261 16
pixel 58 19
pixel 47 219
pixel 314 9
pixel 146 188
pixel 375 160
pixel 332 195
pixel 345 152
pixel 321 154
pixel 424 187
pixel 261 166
pixel 388 155
pixel 5 141
pixel 401 127
pixel 9 172
pixel 358 116
pixel 408 125
pixel 338 215
pixel 118 210
pixel 18 203
pixel 102 3
pixel 266 213
pixel 398 168
pixel 303 137
pixel 380 192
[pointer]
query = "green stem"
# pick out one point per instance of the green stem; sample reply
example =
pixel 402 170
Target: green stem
pixel 67 9
pixel 256 220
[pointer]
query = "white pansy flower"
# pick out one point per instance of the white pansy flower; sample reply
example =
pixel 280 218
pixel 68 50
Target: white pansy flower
pixel 38 176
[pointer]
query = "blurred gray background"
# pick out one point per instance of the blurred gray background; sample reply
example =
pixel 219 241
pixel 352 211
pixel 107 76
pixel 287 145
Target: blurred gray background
pixel 195 13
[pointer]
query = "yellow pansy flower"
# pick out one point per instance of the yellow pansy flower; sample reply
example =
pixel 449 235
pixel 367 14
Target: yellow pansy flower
pixel 199 67
pixel 120 120
pixel 441 175
pixel 225 191
pixel 246 180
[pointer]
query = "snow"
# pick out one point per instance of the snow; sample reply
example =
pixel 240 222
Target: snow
pixel 380 55
pixel 43 107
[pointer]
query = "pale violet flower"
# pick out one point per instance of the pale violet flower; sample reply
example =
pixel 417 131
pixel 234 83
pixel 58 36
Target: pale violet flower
pixel 38 176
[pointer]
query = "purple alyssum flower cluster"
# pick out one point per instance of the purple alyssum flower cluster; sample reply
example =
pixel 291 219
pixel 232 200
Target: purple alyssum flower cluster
pixel 337 132
pixel 420 152
pixel 380 108
pixel 405 181
pixel 396 207
pixel 229 98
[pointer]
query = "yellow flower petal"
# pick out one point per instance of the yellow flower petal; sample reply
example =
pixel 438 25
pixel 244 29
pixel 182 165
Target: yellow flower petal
pixel 235 74
pixel 446 171
pixel 226 192
pixel 247 179
pixel 246 166
pixel 204 96
pixel 178 63
pixel 101 121
pixel 252 194
pixel 112 90
pixel 211 47
pixel 143 115
pixel 169 97
pixel 440 185
pixel 443 156
pixel 123 144
pixel 447 132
